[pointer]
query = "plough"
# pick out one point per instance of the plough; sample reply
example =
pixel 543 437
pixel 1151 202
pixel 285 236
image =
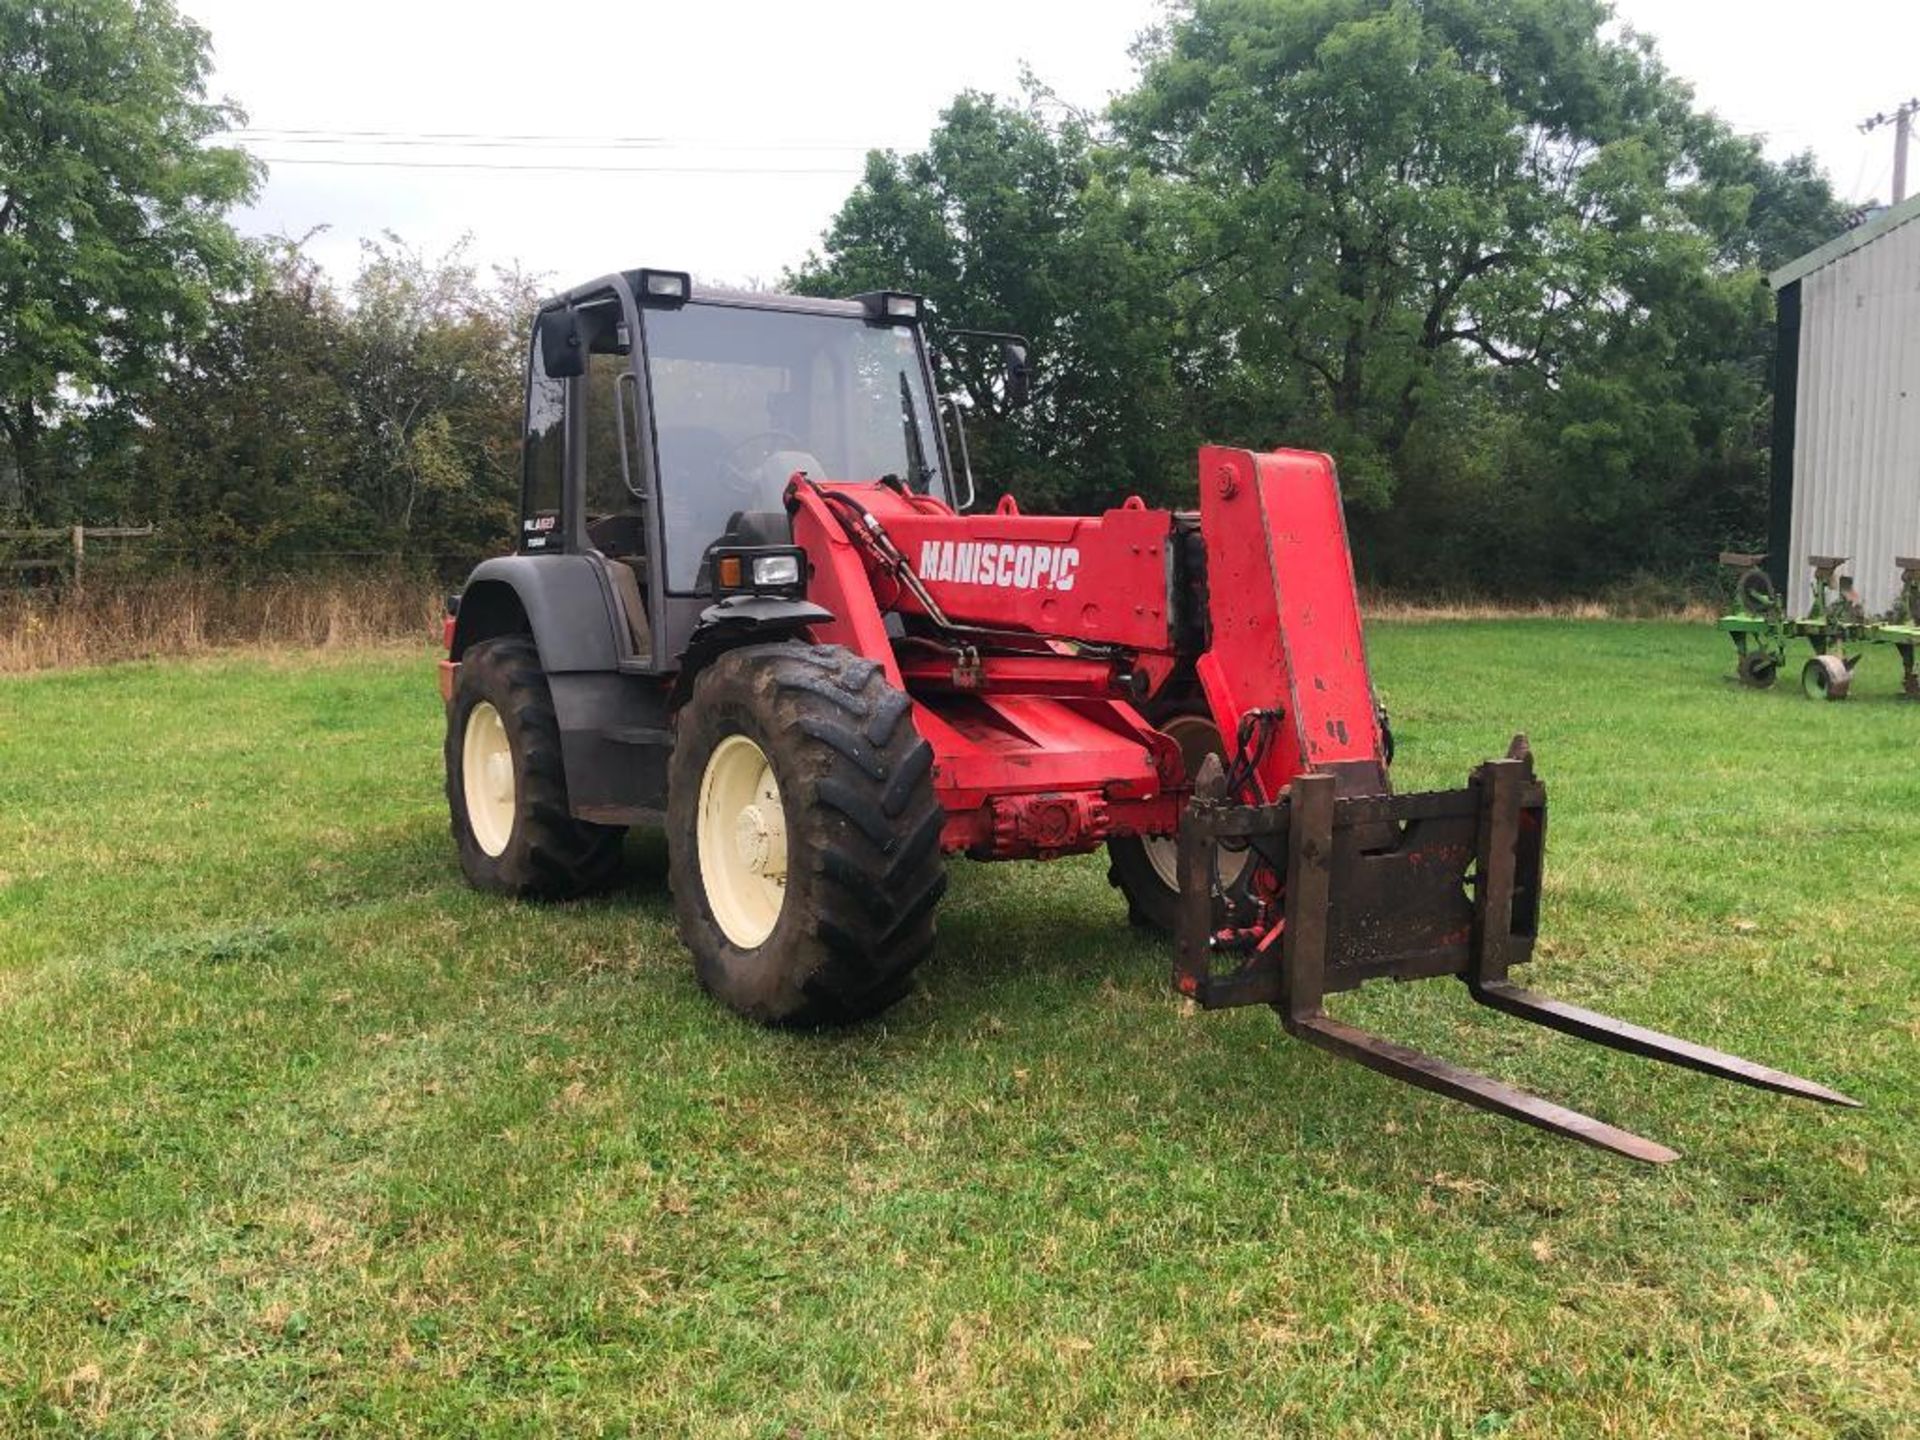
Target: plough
pixel 1836 626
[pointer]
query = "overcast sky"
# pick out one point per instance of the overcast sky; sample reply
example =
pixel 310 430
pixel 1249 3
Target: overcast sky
pixel 747 121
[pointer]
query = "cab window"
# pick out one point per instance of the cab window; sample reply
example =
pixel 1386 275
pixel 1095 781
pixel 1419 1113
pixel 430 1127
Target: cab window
pixel 607 480
pixel 612 463
pixel 741 398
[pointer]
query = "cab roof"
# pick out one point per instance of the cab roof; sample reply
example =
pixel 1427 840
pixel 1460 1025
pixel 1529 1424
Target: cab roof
pixel 700 293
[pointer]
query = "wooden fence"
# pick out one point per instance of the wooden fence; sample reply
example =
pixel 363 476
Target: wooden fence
pixel 70 558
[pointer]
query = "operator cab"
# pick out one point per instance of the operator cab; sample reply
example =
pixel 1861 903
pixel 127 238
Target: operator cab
pixel 661 419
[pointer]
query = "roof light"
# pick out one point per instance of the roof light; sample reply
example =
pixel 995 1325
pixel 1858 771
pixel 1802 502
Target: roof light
pixel 893 307
pixel 665 287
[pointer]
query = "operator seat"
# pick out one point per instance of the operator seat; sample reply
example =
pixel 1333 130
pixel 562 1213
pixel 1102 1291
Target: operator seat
pixel 618 537
pixel 758 527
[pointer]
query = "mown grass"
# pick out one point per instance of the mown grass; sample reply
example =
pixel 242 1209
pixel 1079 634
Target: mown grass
pixel 301 1136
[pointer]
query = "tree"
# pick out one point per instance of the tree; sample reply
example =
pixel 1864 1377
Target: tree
pixel 1006 222
pixel 1452 213
pixel 241 451
pixel 113 238
pixel 433 362
pixel 1487 252
pixel 302 428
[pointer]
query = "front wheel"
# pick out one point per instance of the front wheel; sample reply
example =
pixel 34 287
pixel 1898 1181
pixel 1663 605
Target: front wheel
pixel 803 836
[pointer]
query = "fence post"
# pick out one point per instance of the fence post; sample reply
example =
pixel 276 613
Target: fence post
pixel 79 555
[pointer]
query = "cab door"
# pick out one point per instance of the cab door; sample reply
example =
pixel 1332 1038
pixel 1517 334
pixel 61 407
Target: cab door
pixel 613 469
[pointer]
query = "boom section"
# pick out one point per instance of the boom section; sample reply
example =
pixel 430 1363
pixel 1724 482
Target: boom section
pixel 1287 650
pixel 1099 579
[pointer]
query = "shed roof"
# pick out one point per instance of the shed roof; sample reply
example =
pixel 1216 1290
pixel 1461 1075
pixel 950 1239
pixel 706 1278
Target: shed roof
pixel 1845 244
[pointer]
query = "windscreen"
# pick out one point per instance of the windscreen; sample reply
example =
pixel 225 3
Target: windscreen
pixel 742 398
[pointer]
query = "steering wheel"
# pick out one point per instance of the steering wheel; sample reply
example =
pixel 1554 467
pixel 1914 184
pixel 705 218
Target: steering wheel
pixel 768 442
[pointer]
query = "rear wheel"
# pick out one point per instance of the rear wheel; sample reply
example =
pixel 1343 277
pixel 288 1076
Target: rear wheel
pixel 803 835
pixel 1146 868
pixel 507 785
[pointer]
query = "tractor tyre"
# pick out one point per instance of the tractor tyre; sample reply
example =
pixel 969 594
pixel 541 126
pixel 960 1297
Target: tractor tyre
pixel 507 786
pixel 1145 869
pixel 803 836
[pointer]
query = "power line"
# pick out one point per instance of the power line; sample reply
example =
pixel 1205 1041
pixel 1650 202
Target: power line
pixel 506 142
pixel 367 163
pixel 273 144
pixel 475 139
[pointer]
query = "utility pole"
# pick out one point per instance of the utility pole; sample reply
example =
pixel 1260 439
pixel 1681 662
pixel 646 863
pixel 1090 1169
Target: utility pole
pixel 1902 121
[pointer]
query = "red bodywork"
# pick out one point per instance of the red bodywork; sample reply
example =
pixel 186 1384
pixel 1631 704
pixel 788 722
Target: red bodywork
pixel 1039 742
pixel 1032 648
pixel 1028 644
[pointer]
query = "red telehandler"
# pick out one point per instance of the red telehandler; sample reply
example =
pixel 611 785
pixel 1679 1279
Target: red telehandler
pixel 747 599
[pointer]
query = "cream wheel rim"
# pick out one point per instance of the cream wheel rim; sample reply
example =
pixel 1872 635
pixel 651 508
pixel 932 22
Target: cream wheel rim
pixel 742 835
pixel 486 776
pixel 1197 739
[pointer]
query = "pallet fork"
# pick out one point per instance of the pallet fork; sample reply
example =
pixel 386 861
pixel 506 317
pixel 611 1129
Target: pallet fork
pixel 1408 886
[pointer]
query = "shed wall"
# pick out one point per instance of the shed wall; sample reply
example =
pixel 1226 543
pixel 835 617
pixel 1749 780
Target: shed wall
pixel 1856 454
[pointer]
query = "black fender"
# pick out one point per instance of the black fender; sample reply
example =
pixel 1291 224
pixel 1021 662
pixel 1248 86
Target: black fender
pixel 613 727
pixel 741 620
pixel 563 601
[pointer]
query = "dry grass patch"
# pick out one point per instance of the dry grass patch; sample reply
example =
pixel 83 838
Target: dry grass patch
pixel 124 619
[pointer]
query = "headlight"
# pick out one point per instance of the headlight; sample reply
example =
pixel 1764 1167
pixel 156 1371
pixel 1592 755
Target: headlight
pixel 760 570
pixel 773 571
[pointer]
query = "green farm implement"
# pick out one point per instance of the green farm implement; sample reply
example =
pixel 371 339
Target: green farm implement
pixel 1836 626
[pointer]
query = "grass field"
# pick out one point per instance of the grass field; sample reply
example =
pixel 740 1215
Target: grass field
pixel 300 1136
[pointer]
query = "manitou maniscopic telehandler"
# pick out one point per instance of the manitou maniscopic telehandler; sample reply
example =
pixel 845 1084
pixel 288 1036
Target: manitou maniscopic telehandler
pixel 748 599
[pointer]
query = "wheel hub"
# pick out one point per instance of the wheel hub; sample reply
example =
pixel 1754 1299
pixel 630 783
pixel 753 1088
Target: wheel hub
pixel 499 777
pixel 486 774
pixel 1197 739
pixel 741 835
pixel 761 835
